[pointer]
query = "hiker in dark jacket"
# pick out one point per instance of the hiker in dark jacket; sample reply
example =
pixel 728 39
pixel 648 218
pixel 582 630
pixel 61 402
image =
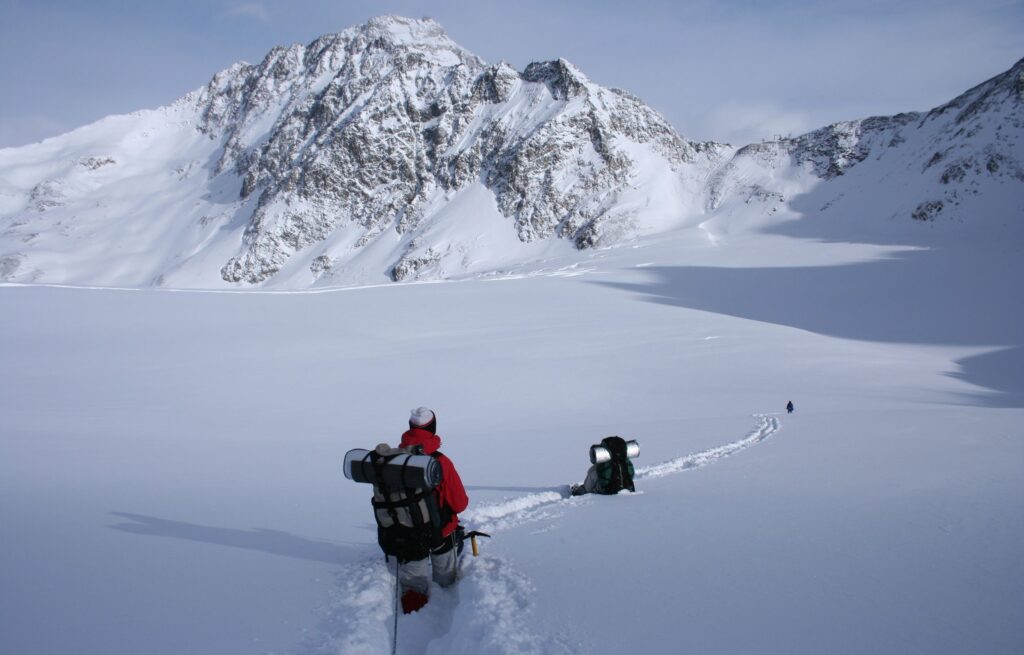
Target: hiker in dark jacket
pixel 415 576
pixel 608 477
pixel 789 407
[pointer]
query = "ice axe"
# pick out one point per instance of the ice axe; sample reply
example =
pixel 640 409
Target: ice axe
pixel 472 540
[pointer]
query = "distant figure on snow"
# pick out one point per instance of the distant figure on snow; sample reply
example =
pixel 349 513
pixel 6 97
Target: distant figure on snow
pixel 414 576
pixel 612 470
pixel 789 407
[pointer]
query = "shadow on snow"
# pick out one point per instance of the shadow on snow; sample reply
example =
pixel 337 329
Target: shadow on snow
pixel 935 296
pixel 263 540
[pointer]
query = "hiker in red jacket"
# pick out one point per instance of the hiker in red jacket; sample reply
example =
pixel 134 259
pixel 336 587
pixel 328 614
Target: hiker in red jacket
pixel 451 495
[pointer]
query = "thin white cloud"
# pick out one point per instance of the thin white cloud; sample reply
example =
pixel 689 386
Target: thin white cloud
pixel 251 10
pixel 740 124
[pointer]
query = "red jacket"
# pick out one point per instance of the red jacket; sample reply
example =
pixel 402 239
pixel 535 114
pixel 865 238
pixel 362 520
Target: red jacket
pixel 450 493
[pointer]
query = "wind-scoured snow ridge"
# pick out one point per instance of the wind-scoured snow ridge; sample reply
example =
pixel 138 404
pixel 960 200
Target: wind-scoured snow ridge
pixel 766 427
pixel 547 504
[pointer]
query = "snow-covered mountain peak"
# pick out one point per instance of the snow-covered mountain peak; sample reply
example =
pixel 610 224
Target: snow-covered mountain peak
pixel 1004 91
pixel 387 151
pixel 562 78
pixel 401 31
pixel 363 129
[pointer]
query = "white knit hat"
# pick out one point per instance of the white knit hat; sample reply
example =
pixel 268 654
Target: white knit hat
pixel 421 416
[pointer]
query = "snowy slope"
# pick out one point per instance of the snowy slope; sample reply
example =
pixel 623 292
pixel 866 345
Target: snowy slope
pixel 170 461
pixel 955 170
pixel 170 475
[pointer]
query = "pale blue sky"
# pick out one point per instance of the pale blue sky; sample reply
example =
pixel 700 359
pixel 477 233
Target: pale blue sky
pixel 731 70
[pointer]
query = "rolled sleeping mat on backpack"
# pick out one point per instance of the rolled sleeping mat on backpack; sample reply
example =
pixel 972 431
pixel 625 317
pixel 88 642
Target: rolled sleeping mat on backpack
pixel 401 470
pixel 599 454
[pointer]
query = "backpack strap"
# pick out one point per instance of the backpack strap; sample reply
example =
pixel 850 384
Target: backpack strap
pixel 445 513
pixel 378 462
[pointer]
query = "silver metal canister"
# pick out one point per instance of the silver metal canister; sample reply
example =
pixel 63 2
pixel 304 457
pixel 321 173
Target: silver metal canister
pixel 599 454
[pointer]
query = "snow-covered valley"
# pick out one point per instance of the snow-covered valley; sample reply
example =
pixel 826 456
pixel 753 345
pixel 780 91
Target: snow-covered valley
pixel 204 306
pixel 170 462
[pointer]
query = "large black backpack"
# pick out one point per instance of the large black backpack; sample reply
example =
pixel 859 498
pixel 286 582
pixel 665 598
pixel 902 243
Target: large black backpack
pixel 616 474
pixel 405 504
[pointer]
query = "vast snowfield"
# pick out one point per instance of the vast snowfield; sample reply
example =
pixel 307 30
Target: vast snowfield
pixel 170 462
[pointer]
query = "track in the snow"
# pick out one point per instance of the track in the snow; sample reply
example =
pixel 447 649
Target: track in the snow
pixel 510 513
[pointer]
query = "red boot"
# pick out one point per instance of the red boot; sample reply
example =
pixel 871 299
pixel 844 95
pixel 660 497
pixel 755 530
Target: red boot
pixel 413 601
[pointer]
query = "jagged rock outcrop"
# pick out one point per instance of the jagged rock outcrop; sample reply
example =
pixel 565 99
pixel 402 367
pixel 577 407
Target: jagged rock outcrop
pixel 369 126
pixel 976 135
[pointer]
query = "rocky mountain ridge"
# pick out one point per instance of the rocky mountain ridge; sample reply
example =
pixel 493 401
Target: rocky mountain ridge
pixel 373 123
pixel 977 135
pixel 378 150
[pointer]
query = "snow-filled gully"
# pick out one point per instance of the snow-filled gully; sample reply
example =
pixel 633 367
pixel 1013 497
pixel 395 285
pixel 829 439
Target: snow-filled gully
pixel 485 612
